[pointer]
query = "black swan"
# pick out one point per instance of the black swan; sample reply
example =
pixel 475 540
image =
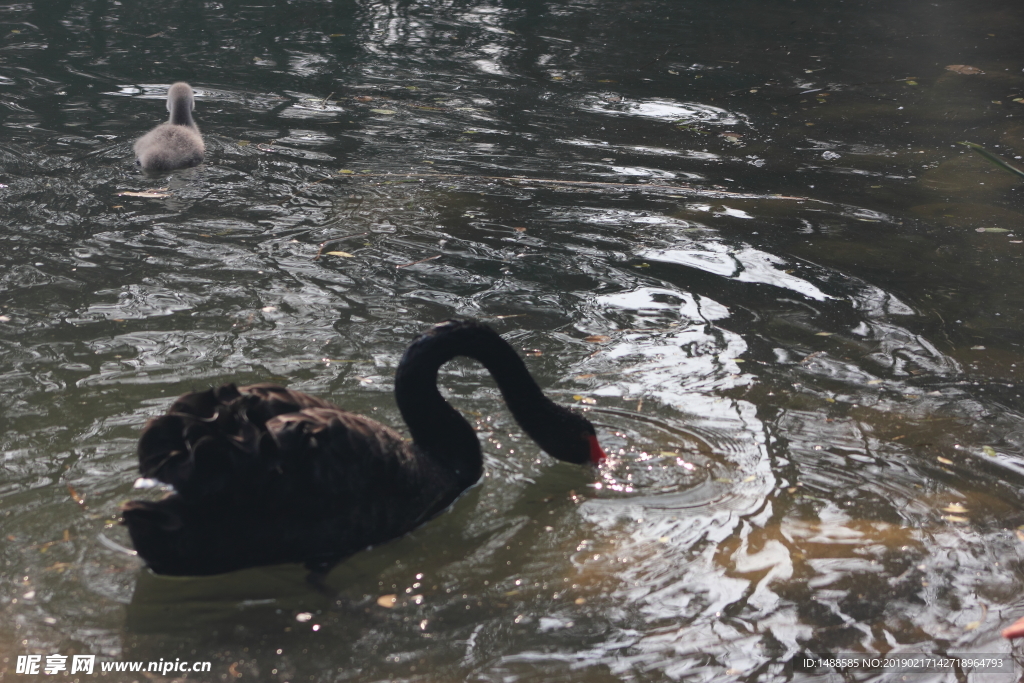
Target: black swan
pixel 264 475
pixel 177 143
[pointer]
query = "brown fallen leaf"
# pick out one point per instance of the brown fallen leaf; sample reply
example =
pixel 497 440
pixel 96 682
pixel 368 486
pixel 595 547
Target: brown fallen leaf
pixel 75 496
pixel 59 567
pixel 387 601
pixel 964 69
pixel 597 338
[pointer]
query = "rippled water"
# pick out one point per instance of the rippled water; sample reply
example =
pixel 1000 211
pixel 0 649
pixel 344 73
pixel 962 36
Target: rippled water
pixel 741 235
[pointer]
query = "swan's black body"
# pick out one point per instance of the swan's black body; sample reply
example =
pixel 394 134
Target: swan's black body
pixel 176 143
pixel 264 475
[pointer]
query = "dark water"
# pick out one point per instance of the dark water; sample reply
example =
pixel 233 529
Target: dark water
pixel 742 234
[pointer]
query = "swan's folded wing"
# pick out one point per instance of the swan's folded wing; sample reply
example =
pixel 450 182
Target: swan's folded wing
pixel 209 442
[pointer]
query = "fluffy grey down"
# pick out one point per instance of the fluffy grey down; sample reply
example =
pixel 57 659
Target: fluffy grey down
pixel 177 143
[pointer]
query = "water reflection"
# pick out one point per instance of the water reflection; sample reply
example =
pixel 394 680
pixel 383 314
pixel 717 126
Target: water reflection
pixel 665 110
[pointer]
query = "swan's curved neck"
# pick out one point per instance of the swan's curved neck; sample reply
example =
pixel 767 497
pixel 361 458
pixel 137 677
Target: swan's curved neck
pixel 437 428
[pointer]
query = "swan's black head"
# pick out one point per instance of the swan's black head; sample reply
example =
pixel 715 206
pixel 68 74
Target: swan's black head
pixel 569 437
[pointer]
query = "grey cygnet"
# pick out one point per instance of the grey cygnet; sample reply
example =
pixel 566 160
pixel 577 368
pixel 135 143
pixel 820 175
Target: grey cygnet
pixel 177 143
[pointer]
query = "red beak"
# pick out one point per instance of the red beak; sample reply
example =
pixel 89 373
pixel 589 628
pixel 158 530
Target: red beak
pixel 597 455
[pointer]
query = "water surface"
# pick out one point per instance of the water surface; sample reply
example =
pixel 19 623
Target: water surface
pixel 741 235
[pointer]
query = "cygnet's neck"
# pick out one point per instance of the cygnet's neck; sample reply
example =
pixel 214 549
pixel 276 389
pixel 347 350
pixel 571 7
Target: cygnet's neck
pixel 179 103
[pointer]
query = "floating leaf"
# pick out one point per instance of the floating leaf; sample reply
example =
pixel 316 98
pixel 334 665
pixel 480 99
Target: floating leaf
pixel 597 338
pixel 989 451
pixel 964 69
pixel 944 461
pixel 146 194
pixel 384 112
pixel 991 230
pixel 973 625
pixel 343 254
pixel 387 601
pixel 75 496
pixel 1001 163
pixel 955 508
pixel 823 334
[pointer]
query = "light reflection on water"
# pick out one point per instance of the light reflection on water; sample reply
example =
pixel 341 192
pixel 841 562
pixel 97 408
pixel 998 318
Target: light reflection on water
pixel 743 242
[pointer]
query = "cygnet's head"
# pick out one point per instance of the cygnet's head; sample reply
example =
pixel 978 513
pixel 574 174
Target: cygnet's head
pixel 180 103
